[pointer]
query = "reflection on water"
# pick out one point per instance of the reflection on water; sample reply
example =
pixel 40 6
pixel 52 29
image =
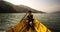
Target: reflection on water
pixel 10 19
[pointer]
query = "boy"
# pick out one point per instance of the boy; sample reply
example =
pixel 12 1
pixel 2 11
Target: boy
pixel 30 20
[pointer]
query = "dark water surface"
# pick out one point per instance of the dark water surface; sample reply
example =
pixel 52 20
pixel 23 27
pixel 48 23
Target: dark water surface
pixel 52 21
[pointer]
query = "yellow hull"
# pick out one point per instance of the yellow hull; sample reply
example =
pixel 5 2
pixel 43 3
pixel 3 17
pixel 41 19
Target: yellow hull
pixel 21 27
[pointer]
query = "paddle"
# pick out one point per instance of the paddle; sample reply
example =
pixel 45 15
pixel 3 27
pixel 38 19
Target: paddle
pixel 23 17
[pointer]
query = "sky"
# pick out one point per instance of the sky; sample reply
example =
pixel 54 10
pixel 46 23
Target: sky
pixel 40 5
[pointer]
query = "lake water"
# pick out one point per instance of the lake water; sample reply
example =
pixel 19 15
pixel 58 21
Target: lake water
pixel 52 21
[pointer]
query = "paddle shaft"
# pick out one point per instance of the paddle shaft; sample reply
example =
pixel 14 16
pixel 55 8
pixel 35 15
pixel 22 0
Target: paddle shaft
pixel 24 17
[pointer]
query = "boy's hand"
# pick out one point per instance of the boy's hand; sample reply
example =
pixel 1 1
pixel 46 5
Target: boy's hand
pixel 30 23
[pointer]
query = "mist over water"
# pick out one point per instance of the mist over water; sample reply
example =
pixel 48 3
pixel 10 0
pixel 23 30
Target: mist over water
pixel 52 21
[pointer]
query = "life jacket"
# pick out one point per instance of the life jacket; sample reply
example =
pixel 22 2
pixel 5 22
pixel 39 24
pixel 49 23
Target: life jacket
pixel 30 17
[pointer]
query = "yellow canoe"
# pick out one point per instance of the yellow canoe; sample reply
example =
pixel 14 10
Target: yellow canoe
pixel 21 27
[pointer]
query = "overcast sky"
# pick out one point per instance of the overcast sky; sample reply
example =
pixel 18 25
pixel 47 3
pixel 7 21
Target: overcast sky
pixel 41 5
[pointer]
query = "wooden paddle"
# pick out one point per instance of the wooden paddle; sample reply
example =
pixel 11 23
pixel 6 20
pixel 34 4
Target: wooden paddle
pixel 23 17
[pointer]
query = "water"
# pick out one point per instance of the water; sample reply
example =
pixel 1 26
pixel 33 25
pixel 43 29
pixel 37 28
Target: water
pixel 52 21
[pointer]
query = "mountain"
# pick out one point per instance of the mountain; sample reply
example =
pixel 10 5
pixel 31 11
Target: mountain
pixel 22 9
pixel 57 12
pixel 6 7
